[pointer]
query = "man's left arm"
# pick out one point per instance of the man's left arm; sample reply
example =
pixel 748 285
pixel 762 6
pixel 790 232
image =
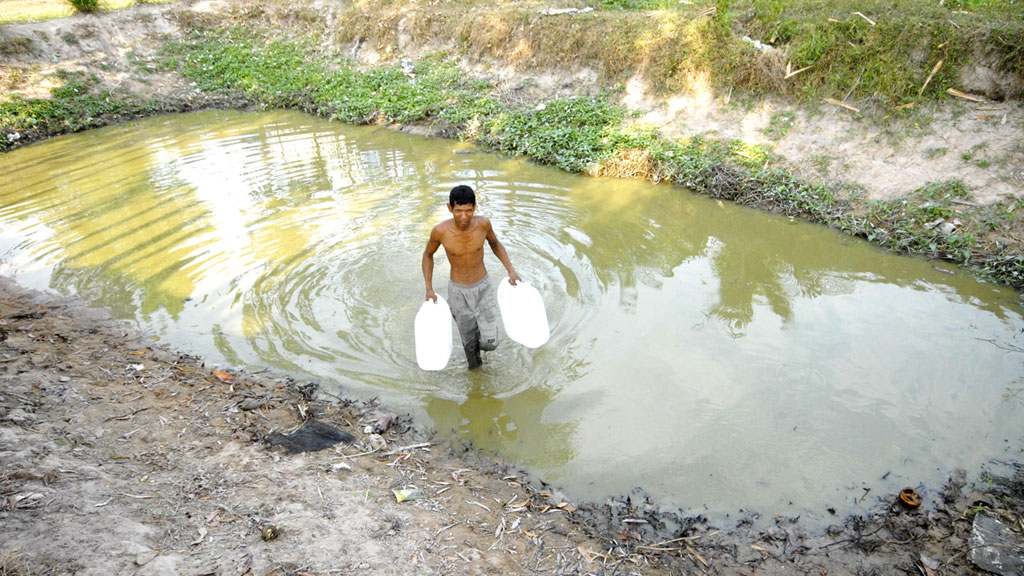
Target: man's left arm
pixel 499 250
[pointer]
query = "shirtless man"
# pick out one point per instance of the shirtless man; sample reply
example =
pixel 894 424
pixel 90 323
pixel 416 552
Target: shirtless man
pixel 470 295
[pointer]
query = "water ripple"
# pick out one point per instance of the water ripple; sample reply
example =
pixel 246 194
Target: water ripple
pixel 688 338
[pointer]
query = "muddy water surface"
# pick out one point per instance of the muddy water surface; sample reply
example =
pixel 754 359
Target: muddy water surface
pixel 719 358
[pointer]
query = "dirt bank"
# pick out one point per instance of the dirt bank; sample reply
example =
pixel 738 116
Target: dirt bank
pixel 120 457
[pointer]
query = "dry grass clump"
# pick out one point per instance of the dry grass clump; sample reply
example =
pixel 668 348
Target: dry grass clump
pixel 631 163
pixel 12 565
pixel 666 47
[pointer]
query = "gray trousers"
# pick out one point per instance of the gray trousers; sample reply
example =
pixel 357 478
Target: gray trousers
pixel 475 309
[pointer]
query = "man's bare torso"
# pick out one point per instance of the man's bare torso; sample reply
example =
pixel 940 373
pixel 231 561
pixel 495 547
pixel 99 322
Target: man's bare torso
pixel 465 249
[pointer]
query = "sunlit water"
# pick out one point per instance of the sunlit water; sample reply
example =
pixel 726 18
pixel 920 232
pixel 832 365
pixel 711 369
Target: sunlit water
pixel 718 358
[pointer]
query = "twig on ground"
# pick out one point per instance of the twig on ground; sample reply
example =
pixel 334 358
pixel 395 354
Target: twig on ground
pixel 869 20
pixel 835 102
pixel 408 448
pixel 126 416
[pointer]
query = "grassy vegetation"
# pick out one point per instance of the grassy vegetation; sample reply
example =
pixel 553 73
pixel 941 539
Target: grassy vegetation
pixel 85 5
pixel 13 11
pixel 278 73
pixel 76 105
pixel 884 51
pixel 884 56
pixel 938 220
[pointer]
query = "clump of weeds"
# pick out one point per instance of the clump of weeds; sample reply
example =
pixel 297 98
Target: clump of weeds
pixel 75 105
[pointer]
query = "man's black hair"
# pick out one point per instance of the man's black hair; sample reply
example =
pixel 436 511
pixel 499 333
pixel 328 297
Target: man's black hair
pixel 462 194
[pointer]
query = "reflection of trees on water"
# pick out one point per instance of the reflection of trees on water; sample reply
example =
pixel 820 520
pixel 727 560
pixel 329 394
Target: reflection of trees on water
pixel 745 271
pixel 513 425
pixel 124 296
pixel 628 237
pixel 633 238
pixel 188 212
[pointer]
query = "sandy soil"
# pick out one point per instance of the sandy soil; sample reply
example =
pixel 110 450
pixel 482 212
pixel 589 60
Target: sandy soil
pixel 980 143
pixel 121 457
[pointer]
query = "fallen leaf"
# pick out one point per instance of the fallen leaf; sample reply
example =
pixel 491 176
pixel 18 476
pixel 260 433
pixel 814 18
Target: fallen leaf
pixel 588 555
pixel 223 376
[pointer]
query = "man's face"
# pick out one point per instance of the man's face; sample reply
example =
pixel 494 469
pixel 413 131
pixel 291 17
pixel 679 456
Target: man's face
pixel 463 214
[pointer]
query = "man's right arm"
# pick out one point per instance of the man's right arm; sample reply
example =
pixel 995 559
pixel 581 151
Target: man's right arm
pixel 428 262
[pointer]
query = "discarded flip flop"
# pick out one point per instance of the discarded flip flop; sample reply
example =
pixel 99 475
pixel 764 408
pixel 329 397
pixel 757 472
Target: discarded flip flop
pixel 910 497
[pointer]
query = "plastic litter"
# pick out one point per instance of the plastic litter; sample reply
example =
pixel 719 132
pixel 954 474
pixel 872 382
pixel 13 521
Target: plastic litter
pixel 523 314
pixel 313 435
pixel 909 497
pixel 377 442
pixel 383 423
pixel 408 494
pixel 433 333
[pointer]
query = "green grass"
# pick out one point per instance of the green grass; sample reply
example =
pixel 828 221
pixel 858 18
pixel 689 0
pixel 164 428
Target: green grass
pixel 779 125
pixel 882 51
pixel 14 11
pixel 570 133
pixel 639 4
pixel 913 225
pixel 75 105
pixel 85 5
pixel 280 73
pixel 874 51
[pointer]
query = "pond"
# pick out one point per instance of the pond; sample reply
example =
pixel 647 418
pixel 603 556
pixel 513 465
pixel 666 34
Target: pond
pixel 722 360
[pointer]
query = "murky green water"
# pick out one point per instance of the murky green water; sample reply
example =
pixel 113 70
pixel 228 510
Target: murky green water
pixel 719 358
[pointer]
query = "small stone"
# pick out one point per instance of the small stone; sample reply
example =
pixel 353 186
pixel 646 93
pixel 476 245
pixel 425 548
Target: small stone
pixel 146 557
pixel 270 532
pixel 377 442
pixel 19 416
pixel 383 423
